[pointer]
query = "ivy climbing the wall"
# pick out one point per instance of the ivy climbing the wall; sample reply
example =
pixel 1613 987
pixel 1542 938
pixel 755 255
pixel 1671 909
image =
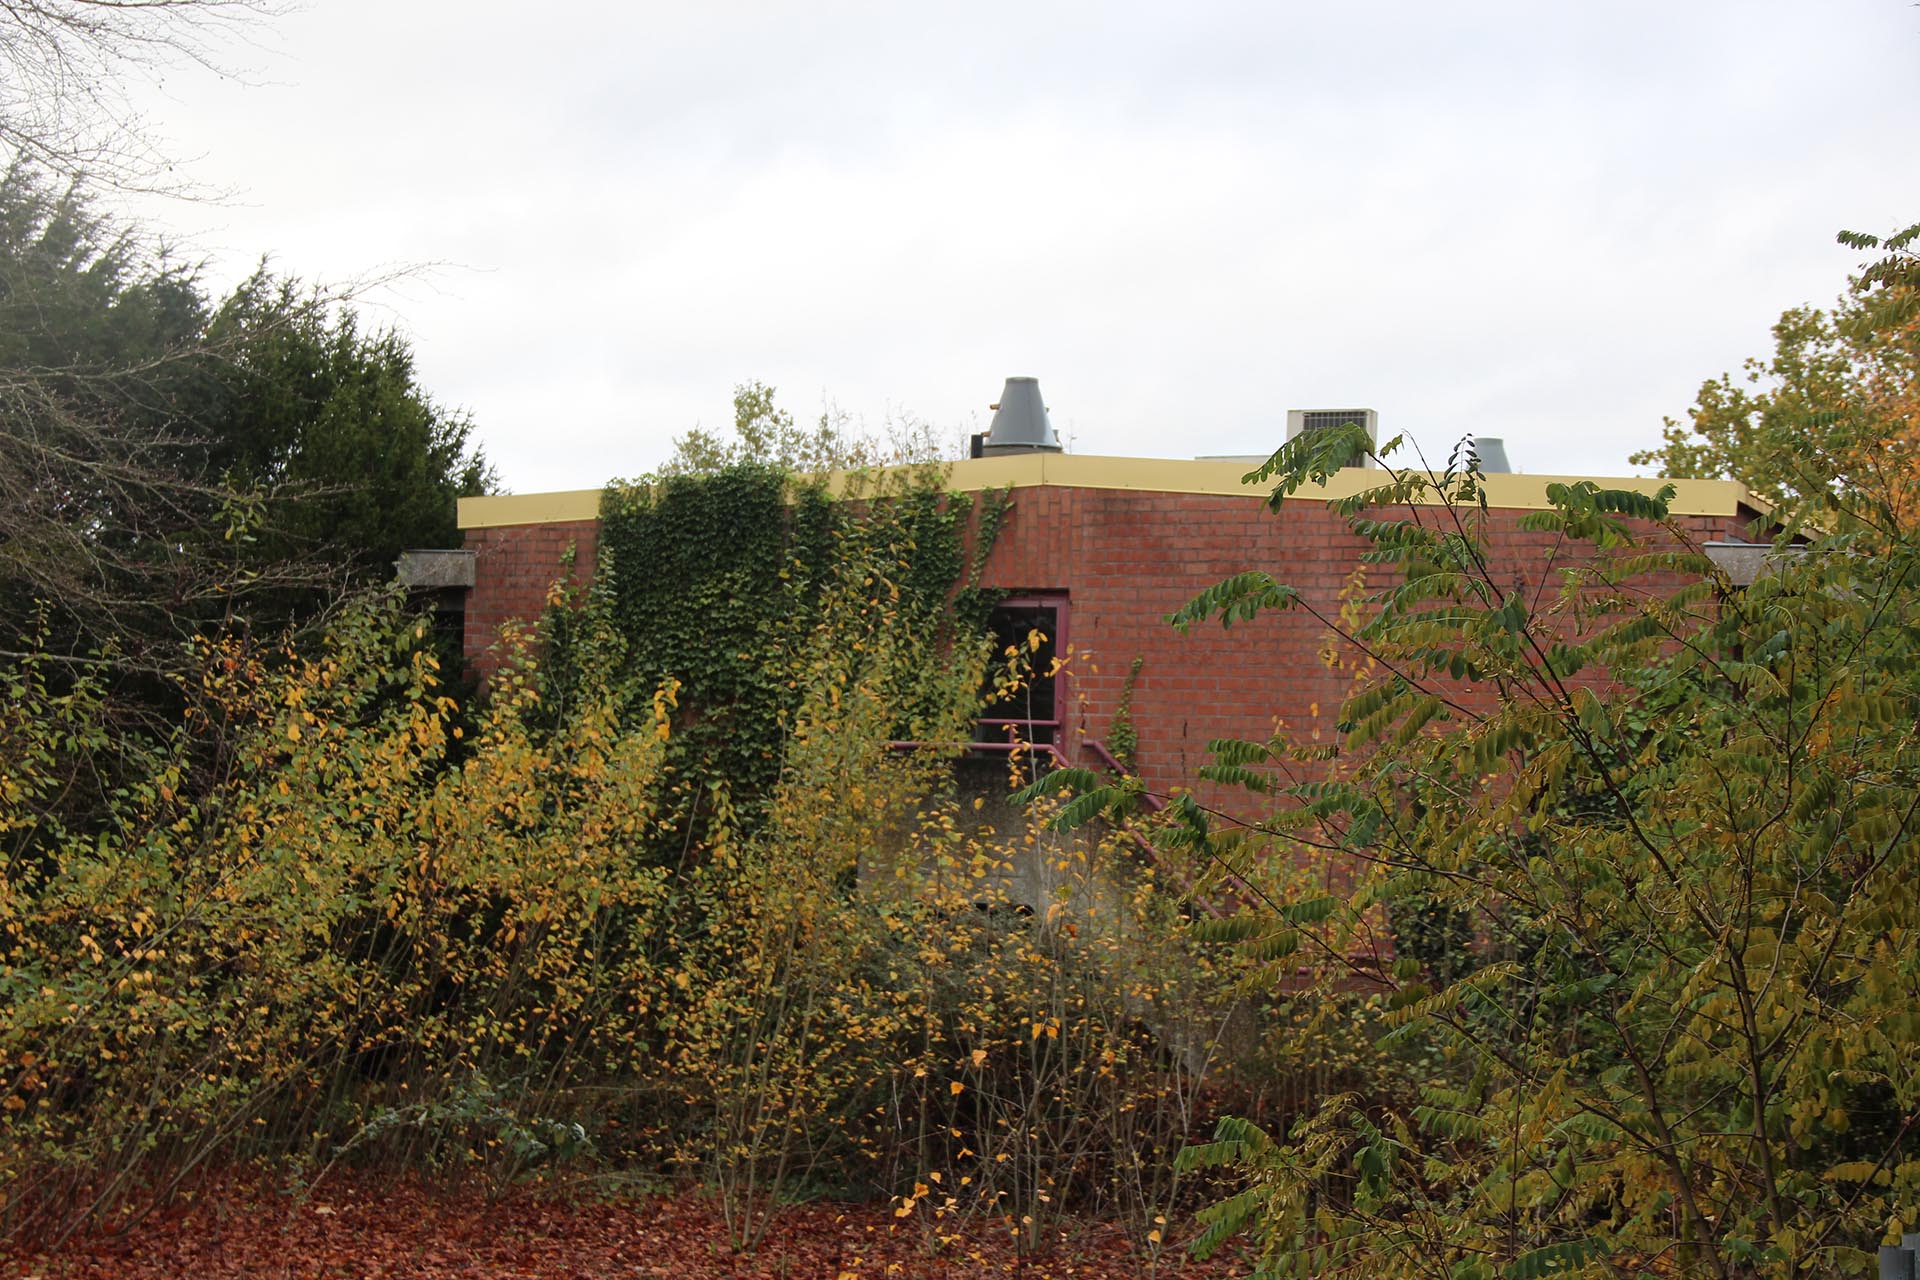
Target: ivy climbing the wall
pixel 1123 739
pixel 713 583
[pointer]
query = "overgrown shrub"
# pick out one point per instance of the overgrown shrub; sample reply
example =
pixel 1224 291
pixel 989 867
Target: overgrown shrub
pixel 1681 830
pixel 353 930
pixel 398 932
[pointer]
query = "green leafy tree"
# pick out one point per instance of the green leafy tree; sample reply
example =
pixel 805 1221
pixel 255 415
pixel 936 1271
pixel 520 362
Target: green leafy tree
pixel 1683 827
pixel 103 503
pixel 164 463
pixel 726 616
pixel 764 434
pixel 710 571
pixel 167 472
pixel 309 407
pixel 1831 422
pixel 767 435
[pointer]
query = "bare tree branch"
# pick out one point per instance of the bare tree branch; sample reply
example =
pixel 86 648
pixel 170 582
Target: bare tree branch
pixel 64 70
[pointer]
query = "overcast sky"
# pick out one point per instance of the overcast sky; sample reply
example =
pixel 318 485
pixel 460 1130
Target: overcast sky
pixel 1546 222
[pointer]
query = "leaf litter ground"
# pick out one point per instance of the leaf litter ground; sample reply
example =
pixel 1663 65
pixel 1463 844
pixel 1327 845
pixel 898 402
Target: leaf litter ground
pixel 368 1229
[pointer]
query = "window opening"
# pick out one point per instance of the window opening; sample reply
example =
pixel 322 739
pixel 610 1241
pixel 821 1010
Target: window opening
pixel 1034 626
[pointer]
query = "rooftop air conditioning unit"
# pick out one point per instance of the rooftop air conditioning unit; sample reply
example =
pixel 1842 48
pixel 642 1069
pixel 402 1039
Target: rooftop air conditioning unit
pixel 1301 421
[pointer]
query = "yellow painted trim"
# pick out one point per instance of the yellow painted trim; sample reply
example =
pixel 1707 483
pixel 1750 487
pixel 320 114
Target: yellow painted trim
pixel 528 508
pixel 1146 475
pixel 1224 479
pixel 1690 497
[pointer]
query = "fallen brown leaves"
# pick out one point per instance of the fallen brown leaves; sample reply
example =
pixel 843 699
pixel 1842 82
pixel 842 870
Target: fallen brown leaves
pixel 365 1229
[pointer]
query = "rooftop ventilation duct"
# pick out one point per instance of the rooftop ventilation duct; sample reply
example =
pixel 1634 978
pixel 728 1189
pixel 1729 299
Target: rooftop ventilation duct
pixel 1302 421
pixel 1493 455
pixel 1020 422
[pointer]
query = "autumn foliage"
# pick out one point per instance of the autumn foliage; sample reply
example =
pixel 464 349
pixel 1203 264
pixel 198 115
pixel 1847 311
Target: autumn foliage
pixel 345 924
pixel 1674 1031
pixel 1829 425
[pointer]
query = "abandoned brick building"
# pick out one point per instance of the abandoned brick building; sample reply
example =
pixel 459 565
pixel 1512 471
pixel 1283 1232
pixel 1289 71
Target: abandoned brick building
pixel 1096 552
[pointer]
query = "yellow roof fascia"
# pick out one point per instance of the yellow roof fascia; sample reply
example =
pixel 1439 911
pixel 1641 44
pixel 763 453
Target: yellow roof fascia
pixel 1690 497
pixel 1147 475
pixel 498 509
pixel 1225 479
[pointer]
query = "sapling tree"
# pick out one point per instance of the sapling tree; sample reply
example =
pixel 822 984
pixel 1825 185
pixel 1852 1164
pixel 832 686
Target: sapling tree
pixel 1680 819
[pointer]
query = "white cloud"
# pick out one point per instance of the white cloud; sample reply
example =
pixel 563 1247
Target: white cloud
pixel 1532 221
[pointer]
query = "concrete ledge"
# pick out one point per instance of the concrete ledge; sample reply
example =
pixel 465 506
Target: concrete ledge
pixel 434 570
pixel 1744 562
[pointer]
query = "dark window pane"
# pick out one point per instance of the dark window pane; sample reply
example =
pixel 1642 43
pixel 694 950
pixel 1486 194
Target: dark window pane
pixel 1013 627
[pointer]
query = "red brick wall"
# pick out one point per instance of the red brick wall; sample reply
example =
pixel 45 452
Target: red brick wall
pixel 514 566
pixel 1125 559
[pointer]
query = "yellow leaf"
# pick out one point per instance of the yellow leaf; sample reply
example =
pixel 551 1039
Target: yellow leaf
pixel 956 1088
pixel 293 731
pixel 979 1057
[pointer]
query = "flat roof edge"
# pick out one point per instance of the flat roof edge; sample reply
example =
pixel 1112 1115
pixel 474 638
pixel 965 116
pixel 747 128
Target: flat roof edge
pixel 493 510
pixel 1203 477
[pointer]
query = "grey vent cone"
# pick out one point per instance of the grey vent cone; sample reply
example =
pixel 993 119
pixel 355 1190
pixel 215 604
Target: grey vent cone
pixel 1493 455
pixel 1020 421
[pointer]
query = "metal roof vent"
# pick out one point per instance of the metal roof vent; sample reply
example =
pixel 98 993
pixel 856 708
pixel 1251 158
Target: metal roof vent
pixel 1301 421
pixel 1020 422
pixel 1493 455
